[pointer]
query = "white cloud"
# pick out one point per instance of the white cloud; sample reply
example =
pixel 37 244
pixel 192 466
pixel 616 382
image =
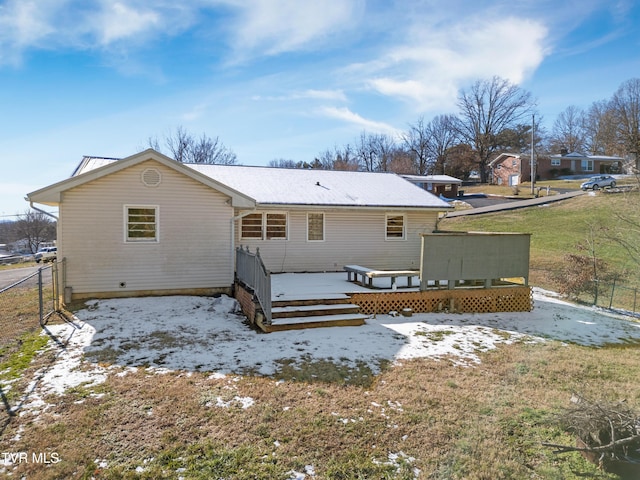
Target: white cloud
pixel 353 118
pixel 310 94
pixel 85 24
pixel 276 26
pixel 430 66
pixel 117 21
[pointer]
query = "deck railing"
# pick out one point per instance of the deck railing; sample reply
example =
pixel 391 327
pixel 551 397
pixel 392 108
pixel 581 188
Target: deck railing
pixel 251 271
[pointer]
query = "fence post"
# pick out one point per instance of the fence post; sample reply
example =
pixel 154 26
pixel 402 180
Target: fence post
pixel 40 301
pixel 613 290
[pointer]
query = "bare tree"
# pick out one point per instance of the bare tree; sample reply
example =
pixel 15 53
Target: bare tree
pixel 416 143
pixel 568 131
pixel 600 130
pixel 626 109
pixel 185 148
pixel 487 108
pixel 428 143
pixel 284 163
pixel 36 228
pixel 375 152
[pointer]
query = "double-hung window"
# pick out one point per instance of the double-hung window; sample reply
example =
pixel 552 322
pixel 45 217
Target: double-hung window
pixel 315 227
pixel 141 223
pixel 587 165
pixel 395 226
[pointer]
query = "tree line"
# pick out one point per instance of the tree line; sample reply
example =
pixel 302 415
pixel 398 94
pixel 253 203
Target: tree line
pixel 494 116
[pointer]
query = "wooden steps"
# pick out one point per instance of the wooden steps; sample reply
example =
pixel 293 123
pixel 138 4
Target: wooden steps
pixel 295 313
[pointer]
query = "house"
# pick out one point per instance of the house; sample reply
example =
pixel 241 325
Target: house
pixel 513 168
pixel 576 163
pixel 440 185
pixel 147 224
pixel 510 169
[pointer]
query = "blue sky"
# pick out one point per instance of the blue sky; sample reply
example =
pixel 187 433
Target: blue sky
pixel 279 78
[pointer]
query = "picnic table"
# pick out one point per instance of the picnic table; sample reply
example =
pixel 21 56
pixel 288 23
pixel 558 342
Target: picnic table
pixel 368 274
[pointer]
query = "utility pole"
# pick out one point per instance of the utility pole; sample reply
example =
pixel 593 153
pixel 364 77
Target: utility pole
pixel 533 163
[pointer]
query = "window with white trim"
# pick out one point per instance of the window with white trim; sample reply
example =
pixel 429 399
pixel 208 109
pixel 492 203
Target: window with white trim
pixel 141 223
pixel 252 226
pixel 276 225
pixel 264 226
pixel 587 165
pixel 315 227
pixel 555 162
pixel 395 227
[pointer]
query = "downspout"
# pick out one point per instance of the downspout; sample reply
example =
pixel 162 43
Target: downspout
pixel 40 210
pixel 233 238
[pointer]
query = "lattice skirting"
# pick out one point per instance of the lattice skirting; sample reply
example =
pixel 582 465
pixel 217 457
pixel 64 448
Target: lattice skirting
pixel 503 299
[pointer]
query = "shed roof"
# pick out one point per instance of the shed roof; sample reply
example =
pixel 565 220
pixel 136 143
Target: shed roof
pixel 440 179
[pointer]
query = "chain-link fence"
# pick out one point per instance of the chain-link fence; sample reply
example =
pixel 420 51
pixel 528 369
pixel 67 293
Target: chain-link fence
pixel 619 295
pixel 26 304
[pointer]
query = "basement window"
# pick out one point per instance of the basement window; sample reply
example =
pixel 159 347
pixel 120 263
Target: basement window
pixel 141 223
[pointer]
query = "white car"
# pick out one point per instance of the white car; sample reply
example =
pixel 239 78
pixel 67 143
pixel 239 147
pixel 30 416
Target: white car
pixel 47 254
pixel 598 182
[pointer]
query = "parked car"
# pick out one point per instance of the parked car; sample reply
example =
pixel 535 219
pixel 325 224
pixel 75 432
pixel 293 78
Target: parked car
pixel 600 181
pixel 47 254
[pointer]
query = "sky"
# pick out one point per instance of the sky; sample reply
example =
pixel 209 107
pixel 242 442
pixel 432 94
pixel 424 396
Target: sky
pixel 279 79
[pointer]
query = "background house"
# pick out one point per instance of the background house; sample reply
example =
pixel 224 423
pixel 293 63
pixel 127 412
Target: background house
pixel 576 163
pixel 513 168
pixel 147 224
pixel 510 169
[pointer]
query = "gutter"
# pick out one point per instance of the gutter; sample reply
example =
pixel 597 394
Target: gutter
pixel 40 210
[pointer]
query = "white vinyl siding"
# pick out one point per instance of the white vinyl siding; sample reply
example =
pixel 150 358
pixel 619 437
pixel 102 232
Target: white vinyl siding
pixel 315 227
pixel 141 223
pixel 351 236
pixel 394 226
pixel 194 228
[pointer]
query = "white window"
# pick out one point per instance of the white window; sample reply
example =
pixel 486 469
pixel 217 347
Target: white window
pixel 276 226
pixel 587 165
pixel 261 226
pixel 141 223
pixel 252 226
pixel 555 162
pixel 395 227
pixel 315 227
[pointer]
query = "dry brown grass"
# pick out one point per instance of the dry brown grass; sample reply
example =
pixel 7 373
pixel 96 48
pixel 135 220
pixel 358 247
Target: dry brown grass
pixel 486 422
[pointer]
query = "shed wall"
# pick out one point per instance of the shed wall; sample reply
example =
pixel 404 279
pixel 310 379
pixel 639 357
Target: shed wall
pixel 194 247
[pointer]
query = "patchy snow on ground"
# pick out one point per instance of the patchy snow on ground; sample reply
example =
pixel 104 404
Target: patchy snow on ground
pixel 116 336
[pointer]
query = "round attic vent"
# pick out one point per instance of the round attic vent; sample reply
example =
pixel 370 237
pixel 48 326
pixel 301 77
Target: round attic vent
pixel 151 177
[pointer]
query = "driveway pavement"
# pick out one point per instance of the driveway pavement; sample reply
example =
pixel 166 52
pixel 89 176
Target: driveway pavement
pixel 512 205
pixel 13 275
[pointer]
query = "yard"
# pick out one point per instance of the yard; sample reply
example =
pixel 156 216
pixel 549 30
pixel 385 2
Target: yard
pixel 179 387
